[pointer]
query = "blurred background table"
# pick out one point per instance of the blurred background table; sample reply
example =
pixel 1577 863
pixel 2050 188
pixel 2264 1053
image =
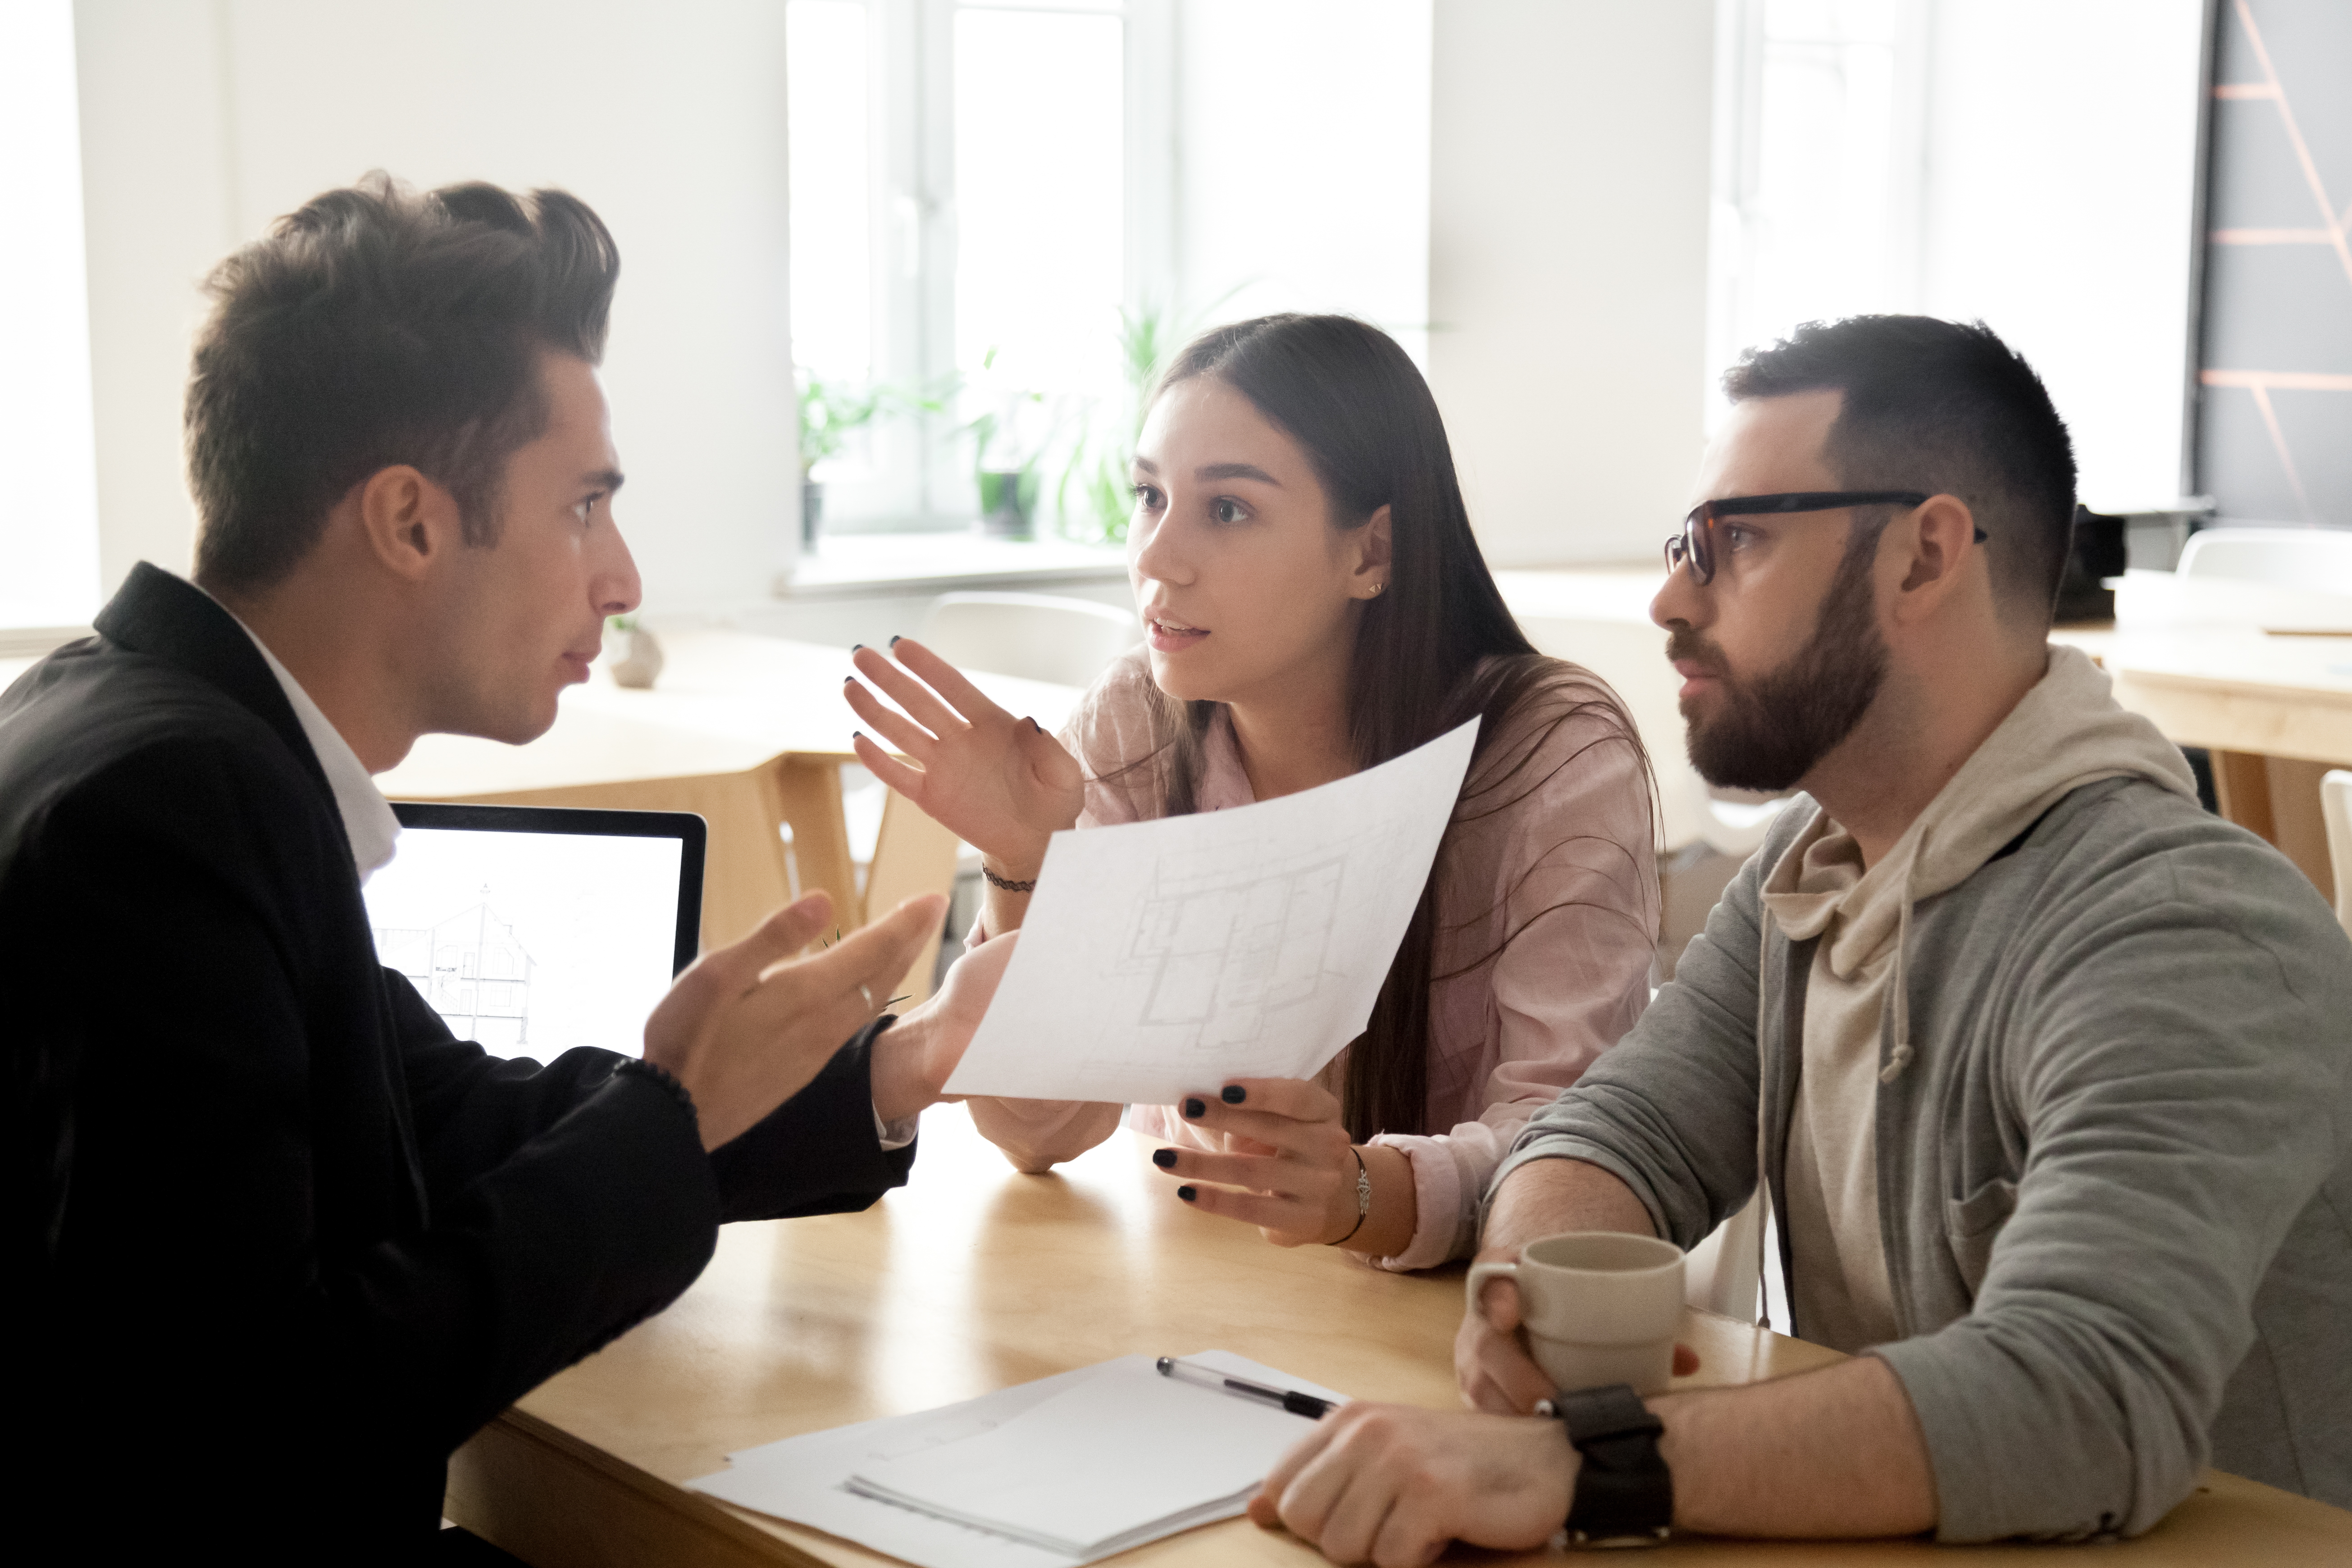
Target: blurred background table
pixel 750 733
pixel 975 1277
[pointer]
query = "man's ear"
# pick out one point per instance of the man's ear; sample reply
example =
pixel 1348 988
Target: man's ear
pixel 1937 541
pixel 409 523
pixel 1374 542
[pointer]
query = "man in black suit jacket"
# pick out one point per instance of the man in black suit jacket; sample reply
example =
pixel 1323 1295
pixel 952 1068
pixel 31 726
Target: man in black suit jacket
pixel 277 1242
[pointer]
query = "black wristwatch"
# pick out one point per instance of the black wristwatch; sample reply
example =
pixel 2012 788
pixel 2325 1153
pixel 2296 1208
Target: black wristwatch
pixel 1625 1493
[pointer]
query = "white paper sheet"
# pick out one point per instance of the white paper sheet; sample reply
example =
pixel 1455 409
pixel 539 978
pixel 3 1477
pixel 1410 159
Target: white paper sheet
pixel 1124 1452
pixel 1161 958
pixel 804 1479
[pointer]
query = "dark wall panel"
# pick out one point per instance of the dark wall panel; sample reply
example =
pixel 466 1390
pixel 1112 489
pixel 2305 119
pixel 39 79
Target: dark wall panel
pixel 2274 396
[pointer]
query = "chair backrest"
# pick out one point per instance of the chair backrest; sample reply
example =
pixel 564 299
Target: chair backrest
pixel 2314 558
pixel 2336 808
pixel 1039 637
pixel 1631 655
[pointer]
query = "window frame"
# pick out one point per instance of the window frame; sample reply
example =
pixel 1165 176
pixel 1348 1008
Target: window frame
pixel 914 481
pixel 1735 216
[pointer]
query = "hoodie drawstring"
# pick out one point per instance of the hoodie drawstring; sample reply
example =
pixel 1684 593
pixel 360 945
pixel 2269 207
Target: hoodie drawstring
pixel 1763 1181
pixel 1900 1057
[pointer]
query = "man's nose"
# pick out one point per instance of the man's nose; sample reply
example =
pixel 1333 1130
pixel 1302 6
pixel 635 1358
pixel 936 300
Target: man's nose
pixel 616 587
pixel 1681 601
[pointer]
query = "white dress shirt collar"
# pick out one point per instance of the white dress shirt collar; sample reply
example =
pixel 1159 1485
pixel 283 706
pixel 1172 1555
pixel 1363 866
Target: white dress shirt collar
pixel 368 819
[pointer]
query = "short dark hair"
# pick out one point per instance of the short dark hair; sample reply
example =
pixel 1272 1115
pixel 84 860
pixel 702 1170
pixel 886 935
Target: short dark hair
pixel 378 326
pixel 1943 406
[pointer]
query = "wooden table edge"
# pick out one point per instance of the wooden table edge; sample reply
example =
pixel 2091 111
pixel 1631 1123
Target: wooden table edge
pixel 631 1515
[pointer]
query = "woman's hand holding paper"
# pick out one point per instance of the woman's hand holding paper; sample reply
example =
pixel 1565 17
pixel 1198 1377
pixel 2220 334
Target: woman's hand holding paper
pixel 913 1060
pixel 1000 783
pixel 1289 1166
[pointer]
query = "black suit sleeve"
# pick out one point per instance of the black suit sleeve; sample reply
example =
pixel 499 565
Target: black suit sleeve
pixel 241 1248
pixel 815 1153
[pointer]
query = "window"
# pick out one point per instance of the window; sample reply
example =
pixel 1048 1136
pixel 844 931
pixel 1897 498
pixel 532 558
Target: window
pixel 1820 129
pixel 979 191
pixel 48 529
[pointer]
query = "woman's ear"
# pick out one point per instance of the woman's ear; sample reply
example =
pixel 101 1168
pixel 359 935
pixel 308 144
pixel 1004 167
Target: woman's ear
pixel 1372 545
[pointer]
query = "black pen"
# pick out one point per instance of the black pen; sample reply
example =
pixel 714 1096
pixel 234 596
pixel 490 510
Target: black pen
pixel 1298 1404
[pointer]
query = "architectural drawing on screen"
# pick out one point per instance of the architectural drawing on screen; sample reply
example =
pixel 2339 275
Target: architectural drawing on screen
pixel 1226 949
pixel 471 968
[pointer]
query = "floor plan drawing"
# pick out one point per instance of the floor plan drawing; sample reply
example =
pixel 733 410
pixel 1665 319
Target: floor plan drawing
pixel 1163 957
pixel 471 968
pixel 1223 951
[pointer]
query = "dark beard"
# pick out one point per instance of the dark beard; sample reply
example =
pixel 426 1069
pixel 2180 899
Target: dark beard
pixel 1775 727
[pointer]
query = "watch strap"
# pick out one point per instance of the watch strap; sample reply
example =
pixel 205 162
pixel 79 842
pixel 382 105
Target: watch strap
pixel 1625 1493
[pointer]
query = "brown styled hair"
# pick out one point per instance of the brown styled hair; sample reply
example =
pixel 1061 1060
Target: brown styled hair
pixel 377 326
pixel 1435 650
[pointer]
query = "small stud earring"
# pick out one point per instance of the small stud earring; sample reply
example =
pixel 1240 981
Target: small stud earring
pixel 1378 588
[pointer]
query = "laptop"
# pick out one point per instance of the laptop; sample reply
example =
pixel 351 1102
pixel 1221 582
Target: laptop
pixel 536 929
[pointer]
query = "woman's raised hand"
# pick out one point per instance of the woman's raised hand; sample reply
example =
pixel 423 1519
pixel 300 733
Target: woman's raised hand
pixel 1001 785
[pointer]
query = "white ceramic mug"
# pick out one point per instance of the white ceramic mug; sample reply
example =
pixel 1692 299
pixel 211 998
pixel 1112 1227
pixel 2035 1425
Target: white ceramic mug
pixel 1600 1307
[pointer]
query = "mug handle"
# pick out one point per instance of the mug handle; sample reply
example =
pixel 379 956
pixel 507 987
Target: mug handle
pixel 1492 1269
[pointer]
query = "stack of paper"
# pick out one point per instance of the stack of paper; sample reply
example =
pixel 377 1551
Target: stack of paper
pixel 1067 1470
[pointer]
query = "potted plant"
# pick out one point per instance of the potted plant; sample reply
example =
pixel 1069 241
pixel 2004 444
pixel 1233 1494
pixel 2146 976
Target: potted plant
pixel 829 412
pixel 640 657
pixel 1006 446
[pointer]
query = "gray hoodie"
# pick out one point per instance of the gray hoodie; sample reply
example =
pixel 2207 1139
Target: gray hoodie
pixel 2064 734
pixel 2113 1144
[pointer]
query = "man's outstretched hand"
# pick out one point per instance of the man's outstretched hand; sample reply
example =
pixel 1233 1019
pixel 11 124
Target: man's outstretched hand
pixel 750 1026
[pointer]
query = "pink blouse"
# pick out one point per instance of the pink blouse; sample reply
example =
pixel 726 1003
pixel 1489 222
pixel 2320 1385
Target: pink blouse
pixel 1565 869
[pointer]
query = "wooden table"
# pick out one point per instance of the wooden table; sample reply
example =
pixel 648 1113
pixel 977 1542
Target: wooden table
pixel 2275 710
pixel 975 1277
pixel 750 733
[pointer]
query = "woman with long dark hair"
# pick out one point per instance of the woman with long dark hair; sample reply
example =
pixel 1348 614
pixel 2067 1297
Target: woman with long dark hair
pixel 1316 604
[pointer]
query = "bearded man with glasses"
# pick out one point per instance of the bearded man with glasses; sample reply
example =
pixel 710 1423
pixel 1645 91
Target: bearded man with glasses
pixel 2044 1069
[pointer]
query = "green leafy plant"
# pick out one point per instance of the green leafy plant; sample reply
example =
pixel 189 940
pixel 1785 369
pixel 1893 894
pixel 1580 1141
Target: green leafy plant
pixel 1095 495
pixel 832 410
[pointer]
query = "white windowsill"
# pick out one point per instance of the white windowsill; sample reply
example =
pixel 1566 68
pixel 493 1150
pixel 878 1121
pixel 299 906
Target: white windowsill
pixel 845 564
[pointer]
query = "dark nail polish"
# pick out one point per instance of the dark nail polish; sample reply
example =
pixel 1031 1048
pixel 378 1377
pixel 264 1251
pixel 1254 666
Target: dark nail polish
pixel 857 734
pixel 1194 1109
pixel 1233 1094
pixel 1164 1158
pixel 894 641
pixel 855 646
pixel 1187 1193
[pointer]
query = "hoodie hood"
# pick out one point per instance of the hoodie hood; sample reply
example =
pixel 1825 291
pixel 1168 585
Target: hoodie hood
pixel 2066 732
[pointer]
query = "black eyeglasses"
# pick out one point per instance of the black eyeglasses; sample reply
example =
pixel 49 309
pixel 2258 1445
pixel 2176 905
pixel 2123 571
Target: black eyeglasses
pixel 1696 542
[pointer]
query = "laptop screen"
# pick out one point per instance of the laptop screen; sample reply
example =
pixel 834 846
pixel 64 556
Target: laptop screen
pixel 536 929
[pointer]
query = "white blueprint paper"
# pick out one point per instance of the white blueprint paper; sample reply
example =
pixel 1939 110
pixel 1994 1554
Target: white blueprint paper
pixel 804 1479
pixel 1162 958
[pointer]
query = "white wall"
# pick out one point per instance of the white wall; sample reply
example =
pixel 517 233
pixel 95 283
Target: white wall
pixel 1568 266
pixel 200 124
pixel 2061 141
pixel 1302 159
